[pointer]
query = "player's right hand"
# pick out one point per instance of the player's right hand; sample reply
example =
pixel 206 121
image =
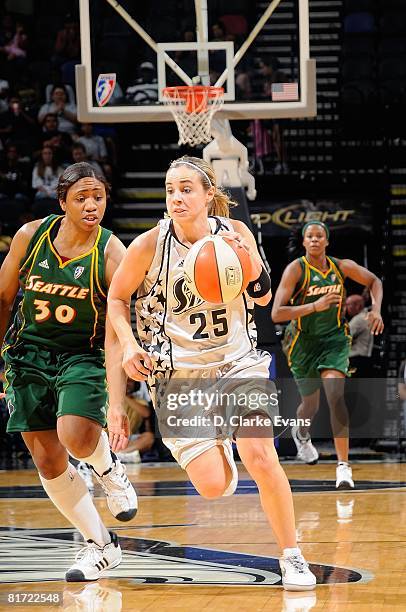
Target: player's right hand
pixel 327 301
pixel 137 363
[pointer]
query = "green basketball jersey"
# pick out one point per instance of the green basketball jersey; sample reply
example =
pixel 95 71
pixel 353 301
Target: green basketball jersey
pixel 63 306
pixel 314 284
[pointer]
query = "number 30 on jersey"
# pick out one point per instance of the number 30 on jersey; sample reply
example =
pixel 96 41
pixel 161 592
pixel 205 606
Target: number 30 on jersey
pixel 63 313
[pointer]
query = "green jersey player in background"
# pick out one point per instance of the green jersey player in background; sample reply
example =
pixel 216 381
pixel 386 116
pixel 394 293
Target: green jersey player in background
pixel 316 342
pixel 54 354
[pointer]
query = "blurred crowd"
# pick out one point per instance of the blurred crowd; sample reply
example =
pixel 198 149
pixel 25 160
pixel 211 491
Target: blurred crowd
pixel 39 130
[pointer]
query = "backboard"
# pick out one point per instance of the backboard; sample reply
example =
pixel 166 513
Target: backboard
pixel 260 57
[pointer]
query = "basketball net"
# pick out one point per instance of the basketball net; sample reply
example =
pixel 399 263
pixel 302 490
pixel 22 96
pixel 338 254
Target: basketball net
pixel 193 108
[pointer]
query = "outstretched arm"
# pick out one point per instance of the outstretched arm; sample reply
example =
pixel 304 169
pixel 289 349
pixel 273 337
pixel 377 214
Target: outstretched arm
pixel 361 275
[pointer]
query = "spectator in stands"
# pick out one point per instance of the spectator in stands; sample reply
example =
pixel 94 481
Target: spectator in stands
pixel 139 410
pixel 67 50
pixel 16 48
pixel 218 32
pixel 60 142
pixel 15 191
pixel 96 149
pixel 95 146
pixel 79 155
pixel 67 44
pixel 14 176
pixel 16 122
pixel 45 178
pixel 362 339
pixel 145 88
pixel 64 110
pixel 13 49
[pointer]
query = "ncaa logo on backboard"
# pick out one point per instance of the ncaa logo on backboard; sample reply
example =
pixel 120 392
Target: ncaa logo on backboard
pixel 78 272
pixel 104 88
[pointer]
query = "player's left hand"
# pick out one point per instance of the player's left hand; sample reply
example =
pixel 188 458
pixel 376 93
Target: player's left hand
pixel 118 427
pixel 256 263
pixel 375 322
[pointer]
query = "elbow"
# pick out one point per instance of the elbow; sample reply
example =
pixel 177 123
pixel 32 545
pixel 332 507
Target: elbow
pixel 375 282
pixel 113 300
pixel 276 315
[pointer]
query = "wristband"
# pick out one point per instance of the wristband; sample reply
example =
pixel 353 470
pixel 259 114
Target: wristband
pixel 260 287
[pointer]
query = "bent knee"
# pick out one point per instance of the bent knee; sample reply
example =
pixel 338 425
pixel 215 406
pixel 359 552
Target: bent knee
pixel 78 447
pixel 79 435
pixel 212 489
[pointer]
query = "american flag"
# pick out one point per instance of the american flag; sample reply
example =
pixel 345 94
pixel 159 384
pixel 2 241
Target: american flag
pixel 281 92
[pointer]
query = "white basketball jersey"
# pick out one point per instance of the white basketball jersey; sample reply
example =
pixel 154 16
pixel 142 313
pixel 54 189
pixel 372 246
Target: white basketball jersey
pixel 178 329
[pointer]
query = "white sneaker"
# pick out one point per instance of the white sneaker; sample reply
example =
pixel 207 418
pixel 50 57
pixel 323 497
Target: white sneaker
pixel 131 457
pixel 86 472
pixel 296 575
pixel 305 450
pixel 121 496
pixel 344 476
pixel 92 561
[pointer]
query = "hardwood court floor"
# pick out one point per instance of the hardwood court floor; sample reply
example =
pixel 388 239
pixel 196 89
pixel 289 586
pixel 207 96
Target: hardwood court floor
pixel 363 531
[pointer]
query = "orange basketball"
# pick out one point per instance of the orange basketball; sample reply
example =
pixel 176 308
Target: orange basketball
pixel 217 270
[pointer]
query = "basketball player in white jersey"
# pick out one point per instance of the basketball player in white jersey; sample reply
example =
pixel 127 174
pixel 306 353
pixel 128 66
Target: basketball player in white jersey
pixel 180 336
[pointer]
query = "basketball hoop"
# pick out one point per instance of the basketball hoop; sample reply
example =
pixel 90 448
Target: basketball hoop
pixel 193 108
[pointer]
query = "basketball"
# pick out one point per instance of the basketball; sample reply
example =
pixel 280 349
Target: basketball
pixel 217 270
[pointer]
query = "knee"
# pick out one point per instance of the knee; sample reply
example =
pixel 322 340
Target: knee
pixel 79 444
pixel 212 489
pixel 261 461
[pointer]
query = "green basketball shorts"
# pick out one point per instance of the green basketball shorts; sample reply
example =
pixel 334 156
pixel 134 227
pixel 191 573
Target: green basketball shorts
pixel 42 385
pixel 309 355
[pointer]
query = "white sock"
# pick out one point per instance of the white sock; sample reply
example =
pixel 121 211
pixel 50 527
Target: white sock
pixel 70 495
pixel 100 459
pixel 289 552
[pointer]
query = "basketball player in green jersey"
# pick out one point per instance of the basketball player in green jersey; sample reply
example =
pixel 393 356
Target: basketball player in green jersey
pixel 54 360
pixel 316 342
